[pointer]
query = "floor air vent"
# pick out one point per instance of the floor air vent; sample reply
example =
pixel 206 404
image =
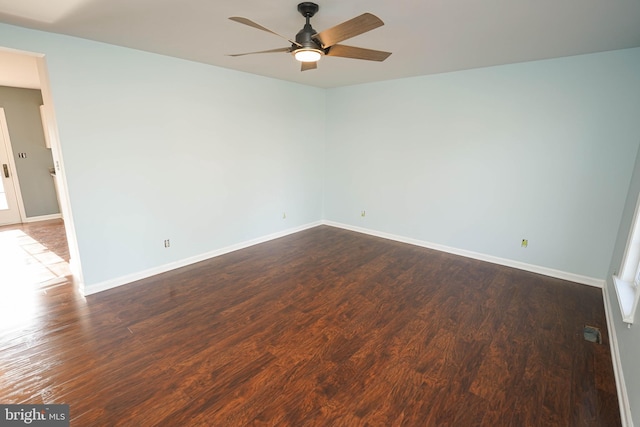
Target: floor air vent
pixel 592 334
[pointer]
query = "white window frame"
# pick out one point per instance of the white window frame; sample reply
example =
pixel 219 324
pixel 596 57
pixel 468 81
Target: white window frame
pixel 627 281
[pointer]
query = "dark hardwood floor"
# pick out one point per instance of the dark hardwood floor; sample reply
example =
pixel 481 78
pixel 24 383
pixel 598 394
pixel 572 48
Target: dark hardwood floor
pixel 325 327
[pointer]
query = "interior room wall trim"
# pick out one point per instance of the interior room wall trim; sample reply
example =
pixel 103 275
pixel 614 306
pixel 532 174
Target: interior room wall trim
pixel 590 281
pixel 623 396
pixel 43 218
pixel 124 280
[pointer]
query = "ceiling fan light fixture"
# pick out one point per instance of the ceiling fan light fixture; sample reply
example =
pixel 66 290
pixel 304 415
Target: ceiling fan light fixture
pixel 307 55
pixel 310 46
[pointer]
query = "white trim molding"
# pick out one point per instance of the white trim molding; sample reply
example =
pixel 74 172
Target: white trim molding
pixel 42 218
pixel 124 280
pixel 584 280
pixel 628 296
pixel 626 282
pixel 4 128
pixel 621 388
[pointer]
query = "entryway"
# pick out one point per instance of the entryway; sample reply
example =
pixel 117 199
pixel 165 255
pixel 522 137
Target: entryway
pixel 26 71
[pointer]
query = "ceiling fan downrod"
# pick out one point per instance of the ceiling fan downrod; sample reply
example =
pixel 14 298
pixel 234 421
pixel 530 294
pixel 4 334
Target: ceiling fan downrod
pixel 304 37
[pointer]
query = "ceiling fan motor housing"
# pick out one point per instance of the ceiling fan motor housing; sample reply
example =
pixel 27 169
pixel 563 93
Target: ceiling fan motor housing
pixel 304 37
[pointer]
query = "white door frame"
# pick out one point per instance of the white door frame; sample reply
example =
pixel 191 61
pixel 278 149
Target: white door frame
pixel 51 125
pixel 12 166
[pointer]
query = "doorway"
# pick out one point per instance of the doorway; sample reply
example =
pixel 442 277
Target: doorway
pixel 29 70
pixel 31 156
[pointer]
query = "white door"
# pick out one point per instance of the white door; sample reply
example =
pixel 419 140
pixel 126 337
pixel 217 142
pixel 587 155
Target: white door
pixel 9 208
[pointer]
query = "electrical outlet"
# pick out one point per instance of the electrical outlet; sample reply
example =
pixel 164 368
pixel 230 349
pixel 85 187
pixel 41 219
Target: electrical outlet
pixel 167 243
pixel 363 213
pixel 525 243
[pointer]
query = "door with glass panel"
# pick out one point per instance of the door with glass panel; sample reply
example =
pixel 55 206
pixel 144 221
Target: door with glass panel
pixel 9 211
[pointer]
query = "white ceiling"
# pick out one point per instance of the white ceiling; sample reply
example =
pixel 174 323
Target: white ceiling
pixel 425 36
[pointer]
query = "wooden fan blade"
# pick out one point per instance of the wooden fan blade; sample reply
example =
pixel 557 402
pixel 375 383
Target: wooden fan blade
pixel 250 23
pixel 357 53
pixel 282 49
pixel 346 30
pixel 309 66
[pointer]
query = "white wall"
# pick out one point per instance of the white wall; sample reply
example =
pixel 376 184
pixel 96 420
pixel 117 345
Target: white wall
pixel 478 160
pixel 159 148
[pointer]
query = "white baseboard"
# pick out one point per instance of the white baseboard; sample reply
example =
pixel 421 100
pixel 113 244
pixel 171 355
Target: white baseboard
pixel 598 283
pixel 123 280
pixel 621 388
pixel 42 218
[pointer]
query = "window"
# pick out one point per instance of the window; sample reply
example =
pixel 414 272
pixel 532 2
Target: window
pixel 627 282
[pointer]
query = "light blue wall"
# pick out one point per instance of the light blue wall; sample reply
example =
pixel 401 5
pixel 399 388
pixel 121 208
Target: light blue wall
pixel 478 160
pixel 157 147
pixel 160 148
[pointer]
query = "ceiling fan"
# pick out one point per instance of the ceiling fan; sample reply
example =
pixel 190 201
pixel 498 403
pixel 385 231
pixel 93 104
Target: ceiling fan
pixel 309 45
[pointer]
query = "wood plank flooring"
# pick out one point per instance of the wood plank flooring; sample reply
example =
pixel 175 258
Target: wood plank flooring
pixel 325 327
